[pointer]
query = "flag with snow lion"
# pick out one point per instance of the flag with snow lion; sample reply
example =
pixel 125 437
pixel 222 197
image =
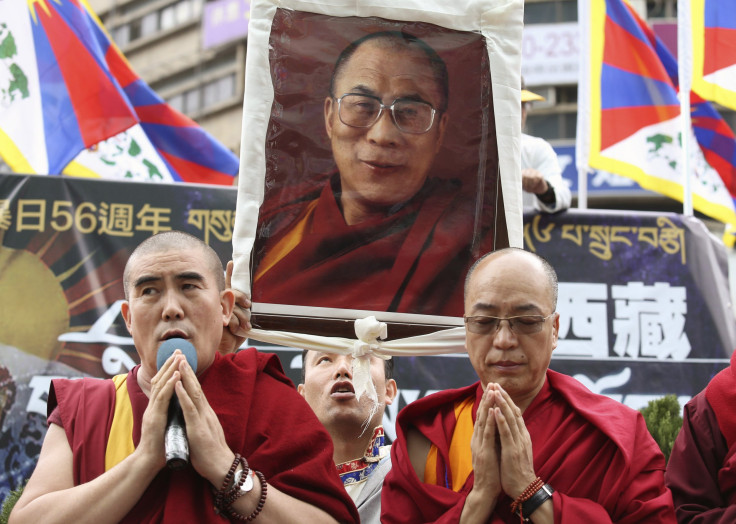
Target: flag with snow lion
pixel 634 115
pixel 71 104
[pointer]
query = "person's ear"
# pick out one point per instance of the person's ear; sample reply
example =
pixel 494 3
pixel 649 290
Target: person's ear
pixel 391 391
pixel 329 109
pixel 125 312
pixel 441 127
pixel 300 389
pixel 227 301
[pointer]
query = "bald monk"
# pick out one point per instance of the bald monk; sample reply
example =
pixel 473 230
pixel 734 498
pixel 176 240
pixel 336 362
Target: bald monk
pixel 103 458
pixel 523 441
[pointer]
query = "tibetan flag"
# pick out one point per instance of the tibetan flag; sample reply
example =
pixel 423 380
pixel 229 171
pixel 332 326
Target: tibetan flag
pixel 713 32
pixel 633 115
pixel 71 104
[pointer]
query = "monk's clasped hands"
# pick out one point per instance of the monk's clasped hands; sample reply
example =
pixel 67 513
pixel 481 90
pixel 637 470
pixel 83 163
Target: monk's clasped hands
pixel 501 445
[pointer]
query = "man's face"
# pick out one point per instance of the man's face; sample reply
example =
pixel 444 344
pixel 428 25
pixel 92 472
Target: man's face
pixel 511 285
pixel 328 389
pixel 173 294
pixel 381 166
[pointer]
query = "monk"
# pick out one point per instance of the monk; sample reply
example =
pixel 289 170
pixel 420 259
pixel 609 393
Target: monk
pixel 379 234
pixel 256 448
pixel 701 471
pixel 523 442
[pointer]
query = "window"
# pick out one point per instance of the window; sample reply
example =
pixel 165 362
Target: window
pixel 191 101
pixel 207 95
pixel 196 8
pixel 550 11
pixel 569 11
pixel 661 8
pixel 121 35
pixel 183 12
pixel 169 17
pixel 211 94
pixel 149 24
pixel 552 126
pixel 219 90
pixel 177 102
pixel 566 94
pixel 135 29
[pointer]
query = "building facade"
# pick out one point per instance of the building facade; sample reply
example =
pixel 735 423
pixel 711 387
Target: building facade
pixel 164 42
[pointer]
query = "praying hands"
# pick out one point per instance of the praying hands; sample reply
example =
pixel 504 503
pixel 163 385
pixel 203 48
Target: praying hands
pixel 502 454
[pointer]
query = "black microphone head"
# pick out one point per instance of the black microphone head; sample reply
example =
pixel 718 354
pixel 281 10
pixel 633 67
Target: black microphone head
pixel 167 348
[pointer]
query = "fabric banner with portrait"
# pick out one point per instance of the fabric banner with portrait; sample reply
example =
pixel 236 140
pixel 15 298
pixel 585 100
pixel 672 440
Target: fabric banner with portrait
pixel 377 161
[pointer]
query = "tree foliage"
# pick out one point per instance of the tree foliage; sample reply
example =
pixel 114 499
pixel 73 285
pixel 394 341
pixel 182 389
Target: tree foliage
pixel 663 422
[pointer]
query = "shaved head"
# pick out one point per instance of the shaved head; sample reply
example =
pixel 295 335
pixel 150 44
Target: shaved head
pixel 175 240
pixel 549 271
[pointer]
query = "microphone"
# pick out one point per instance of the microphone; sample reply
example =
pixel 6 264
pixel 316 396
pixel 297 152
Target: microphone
pixel 175 438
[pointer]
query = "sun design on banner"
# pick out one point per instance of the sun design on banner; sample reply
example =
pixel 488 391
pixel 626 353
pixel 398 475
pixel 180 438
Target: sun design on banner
pixel 65 296
pixel 27 284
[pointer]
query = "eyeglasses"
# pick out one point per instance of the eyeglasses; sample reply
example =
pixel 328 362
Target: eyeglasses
pixel 410 116
pixel 521 325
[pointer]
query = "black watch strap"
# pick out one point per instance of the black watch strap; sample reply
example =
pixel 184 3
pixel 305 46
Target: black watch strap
pixel 549 197
pixel 531 505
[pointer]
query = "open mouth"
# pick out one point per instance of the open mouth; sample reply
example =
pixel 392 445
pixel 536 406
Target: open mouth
pixel 174 333
pixel 343 387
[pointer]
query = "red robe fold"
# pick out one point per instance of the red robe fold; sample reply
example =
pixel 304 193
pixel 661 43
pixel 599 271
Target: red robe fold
pixel 702 468
pixel 721 395
pixel 596 453
pixel 412 261
pixel 263 418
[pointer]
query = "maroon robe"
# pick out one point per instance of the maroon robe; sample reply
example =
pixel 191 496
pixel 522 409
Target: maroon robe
pixel 596 453
pixel 702 468
pixel 263 418
pixel 411 261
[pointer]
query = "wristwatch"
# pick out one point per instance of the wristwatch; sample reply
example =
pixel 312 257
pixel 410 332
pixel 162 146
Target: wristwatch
pixel 548 197
pixel 247 484
pixel 531 505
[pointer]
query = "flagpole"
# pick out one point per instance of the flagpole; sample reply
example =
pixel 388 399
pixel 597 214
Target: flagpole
pixel 582 134
pixel 684 70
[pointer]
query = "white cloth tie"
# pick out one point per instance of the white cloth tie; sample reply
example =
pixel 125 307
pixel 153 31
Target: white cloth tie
pixel 367 330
